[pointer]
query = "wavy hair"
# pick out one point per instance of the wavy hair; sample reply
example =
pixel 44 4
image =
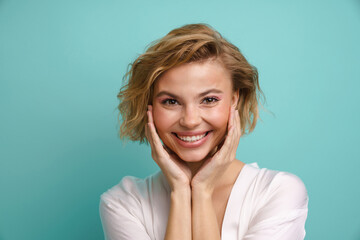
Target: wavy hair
pixel 189 43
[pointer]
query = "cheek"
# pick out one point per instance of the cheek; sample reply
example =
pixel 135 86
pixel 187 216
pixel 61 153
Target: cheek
pixel 159 121
pixel 163 119
pixel 219 116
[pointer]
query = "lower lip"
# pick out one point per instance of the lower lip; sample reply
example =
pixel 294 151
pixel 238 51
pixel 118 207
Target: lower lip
pixel 192 144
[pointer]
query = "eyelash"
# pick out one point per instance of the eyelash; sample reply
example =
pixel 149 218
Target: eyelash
pixel 212 100
pixel 207 100
pixel 168 100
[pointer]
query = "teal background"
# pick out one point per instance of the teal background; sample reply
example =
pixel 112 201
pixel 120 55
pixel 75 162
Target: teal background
pixel 61 65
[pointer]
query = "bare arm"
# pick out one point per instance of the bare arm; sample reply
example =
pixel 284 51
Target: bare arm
pixel 179 221
pixel 204 221
pixel 178 176
pixel 192 214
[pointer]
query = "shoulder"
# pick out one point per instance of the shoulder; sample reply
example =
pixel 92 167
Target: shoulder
pixel 126 209
pixel 271 179
pixel 283 183
pixel 275 205
pixel 131 191
pixel 279 189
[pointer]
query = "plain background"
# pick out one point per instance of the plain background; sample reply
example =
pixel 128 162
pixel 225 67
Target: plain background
pixel 61 66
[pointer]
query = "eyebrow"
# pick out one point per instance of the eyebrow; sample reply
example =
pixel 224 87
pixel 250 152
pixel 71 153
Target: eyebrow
pixel 213 90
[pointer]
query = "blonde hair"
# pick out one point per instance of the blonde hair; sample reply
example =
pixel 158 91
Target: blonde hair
pixel 189 43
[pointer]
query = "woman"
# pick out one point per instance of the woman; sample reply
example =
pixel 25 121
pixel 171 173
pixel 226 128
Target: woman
pixel 191 95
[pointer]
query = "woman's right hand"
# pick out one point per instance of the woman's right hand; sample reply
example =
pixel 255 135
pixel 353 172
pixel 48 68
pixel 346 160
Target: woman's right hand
pixel 176 171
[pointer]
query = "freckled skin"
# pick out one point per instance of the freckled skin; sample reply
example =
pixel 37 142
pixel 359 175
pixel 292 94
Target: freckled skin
pixel 191 112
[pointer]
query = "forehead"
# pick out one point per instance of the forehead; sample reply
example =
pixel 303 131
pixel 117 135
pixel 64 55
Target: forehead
pixel 195 77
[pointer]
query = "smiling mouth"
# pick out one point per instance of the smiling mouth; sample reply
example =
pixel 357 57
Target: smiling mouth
pixel 194 138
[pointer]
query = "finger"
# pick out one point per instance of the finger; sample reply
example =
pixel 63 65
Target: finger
pixel 229 135
pixel 240 129
pixel 236 129
pixel 236 136
pixel 226 146
pixel 150 139
pixel 233 116
pixel 232 139
pixel 230 121
pixel 147 130
pixel 148 133
pixel 155 137
pixel 238 123
pixel 150 117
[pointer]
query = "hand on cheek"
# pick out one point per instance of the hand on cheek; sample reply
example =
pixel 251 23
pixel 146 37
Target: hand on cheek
pixel 176 172
pixel 214 167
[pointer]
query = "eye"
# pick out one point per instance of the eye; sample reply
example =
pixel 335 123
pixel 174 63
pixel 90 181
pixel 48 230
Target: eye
pixel 169 101
pixel 210 100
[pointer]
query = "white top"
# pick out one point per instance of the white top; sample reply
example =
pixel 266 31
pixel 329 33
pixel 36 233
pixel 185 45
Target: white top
pixel 263 205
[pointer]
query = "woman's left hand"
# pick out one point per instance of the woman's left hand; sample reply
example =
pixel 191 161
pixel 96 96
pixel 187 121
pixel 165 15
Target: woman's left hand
pixel 214 167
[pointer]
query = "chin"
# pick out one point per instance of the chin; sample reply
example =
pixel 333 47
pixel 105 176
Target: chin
pixel 193 156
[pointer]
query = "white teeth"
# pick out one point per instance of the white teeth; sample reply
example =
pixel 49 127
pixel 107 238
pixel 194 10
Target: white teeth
pixel 192 138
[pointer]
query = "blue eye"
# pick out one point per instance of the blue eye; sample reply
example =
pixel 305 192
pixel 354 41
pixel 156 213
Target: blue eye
pixel 169 101
pixel 210 100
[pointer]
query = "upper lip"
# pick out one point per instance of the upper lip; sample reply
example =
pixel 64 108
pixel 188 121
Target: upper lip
pixel 197 133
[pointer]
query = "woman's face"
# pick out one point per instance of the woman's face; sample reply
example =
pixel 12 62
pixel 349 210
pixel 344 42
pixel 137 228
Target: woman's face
pixel 191 107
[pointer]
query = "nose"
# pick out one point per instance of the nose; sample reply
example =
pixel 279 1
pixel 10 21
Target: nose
pixel 190 117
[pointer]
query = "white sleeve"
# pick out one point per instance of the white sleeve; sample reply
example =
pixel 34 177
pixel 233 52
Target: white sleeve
pixel 121 215
pixel 282 210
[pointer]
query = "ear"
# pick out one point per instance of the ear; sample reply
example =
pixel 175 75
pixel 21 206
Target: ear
pixel 235 99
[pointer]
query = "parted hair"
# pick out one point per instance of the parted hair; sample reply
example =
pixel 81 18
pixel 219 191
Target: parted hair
pixel 189 43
